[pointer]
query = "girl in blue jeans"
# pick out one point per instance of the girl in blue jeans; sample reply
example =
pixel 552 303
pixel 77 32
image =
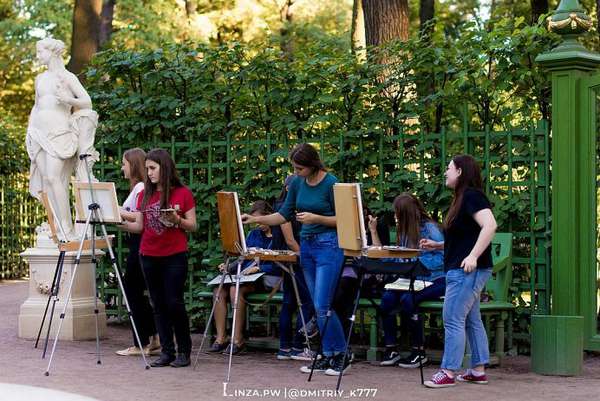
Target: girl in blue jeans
pixel 310 198
pixel 412 224
pixel 469 228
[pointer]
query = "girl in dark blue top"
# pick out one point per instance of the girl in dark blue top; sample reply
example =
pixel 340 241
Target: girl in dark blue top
pixel 310 198
pixel 264 237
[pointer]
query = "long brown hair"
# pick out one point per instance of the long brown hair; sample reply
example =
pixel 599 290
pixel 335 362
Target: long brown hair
pixel 306 155
pixel 137 169
pixel 410 215
pixel 470 177
pixel 168 178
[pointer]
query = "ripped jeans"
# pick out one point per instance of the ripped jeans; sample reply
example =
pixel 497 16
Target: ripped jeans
pixel 321 260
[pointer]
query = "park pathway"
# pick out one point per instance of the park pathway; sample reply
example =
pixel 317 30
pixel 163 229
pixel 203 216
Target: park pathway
pixel 255 375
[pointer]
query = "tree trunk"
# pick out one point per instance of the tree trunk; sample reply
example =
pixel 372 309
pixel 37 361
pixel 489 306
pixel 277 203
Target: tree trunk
pixel 597 9
pixel 190 8
pixel 358 30
pixel 285 16
pixel 106 20
pixel 540 7
pixel 426 14
pixel 385 20
pixel 86 34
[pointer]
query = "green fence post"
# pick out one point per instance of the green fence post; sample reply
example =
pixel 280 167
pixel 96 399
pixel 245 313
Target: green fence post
pixel 568 63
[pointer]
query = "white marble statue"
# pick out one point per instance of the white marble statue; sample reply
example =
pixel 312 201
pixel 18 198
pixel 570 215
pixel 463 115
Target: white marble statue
pixel 62 126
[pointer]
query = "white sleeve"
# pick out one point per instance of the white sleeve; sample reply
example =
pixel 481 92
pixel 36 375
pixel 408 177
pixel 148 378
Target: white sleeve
pixel 131 201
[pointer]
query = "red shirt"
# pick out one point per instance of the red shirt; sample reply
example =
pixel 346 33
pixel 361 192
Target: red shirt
pixel 157 239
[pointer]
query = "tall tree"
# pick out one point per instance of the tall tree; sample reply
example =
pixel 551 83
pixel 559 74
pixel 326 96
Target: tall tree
pixel 426 14
pixel 106 21
pixel 385 20
pixel 86 33
pixel 285 16
pixel 358 30
pixel 538 8
pixel 190 8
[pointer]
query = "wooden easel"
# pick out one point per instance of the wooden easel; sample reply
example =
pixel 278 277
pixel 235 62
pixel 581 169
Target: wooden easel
pixel 234 246
pixel 63 248
pixel 352 238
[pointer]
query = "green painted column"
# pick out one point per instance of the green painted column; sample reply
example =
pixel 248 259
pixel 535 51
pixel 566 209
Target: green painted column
pixel 568 63
pixel 557 339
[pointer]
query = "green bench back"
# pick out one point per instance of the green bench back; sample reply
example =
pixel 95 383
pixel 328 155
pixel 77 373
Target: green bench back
pixel 498 284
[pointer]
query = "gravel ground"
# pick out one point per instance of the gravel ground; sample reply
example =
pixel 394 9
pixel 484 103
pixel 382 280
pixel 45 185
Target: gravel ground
pixel 255 375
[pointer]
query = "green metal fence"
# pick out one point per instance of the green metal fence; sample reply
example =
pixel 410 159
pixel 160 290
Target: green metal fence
pixel 19 215
pixel 516 167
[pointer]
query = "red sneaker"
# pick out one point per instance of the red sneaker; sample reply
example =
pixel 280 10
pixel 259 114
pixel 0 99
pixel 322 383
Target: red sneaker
pixel 440 379
pixel 469 377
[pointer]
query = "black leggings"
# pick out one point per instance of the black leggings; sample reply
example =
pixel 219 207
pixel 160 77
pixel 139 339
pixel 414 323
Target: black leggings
pixel 135 285
pixel 165 276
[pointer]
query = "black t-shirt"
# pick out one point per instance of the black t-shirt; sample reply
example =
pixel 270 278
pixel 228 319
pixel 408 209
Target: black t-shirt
pixel 461 236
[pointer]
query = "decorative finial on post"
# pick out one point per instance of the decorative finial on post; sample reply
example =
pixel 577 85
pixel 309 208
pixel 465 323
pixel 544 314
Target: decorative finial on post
pixel 569 21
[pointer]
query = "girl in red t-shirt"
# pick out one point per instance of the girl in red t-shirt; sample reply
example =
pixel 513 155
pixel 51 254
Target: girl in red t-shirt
pixel 134 169
pixel 166 212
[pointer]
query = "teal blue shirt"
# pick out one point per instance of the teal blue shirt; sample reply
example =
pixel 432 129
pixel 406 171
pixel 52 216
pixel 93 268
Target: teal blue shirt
pixel 317 199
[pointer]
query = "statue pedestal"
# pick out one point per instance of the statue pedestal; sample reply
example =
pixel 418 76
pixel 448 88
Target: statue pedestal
pixel 80 321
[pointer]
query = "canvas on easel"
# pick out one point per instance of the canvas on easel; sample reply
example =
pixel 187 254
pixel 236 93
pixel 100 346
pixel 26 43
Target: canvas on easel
pixel 350 220
pixel 104 194
pixel 230 223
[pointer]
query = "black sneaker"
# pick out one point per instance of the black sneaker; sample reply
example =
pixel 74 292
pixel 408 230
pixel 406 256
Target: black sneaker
pixel 338 364
pixel 412 361
pixel 181 361
pixel 236 349
pixel 163 360
pixel 217 347
pixel 390 358
pixel 321 366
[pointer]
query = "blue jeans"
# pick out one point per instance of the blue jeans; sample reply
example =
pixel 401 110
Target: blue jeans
pixel 462 315
pixel 393 302
pixel 288 337
pixel 321 260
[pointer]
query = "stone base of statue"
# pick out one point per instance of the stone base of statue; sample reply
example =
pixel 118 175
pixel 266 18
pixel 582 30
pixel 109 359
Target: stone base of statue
pixel 80 321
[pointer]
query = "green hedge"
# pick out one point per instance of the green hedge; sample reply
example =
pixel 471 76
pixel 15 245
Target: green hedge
pixel 230 114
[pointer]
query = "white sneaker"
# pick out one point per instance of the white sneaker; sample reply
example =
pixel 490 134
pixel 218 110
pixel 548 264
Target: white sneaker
pixel 131 351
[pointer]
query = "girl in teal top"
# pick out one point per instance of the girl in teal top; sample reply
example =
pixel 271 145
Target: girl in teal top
pixel 310 197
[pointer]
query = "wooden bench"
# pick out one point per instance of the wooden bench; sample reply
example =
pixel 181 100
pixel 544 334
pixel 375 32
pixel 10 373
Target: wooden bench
pixel 499 307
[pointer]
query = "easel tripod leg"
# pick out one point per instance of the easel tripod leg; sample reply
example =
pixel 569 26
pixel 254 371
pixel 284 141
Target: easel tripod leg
pixel 208 322
pixel 235 311
pixel 356 301
pixel 56 290
pixel 113 261
pixel 95 286
pixel 290 271
pixel 69 291
pixel 51 294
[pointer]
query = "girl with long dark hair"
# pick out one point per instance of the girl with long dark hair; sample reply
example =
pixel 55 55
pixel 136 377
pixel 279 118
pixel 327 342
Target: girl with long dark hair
pixel 134 170
pixel 469 228
pixel 167 213
pixel 413 224
pixel 310 198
